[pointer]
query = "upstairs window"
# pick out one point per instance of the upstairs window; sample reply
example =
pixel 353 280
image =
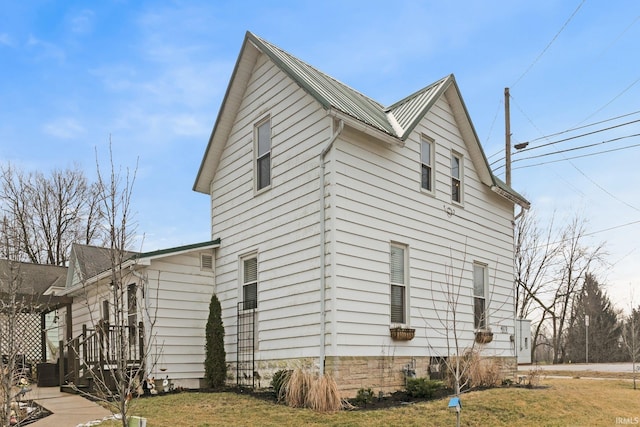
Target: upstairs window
pixel 262 149
pixel 250 283
pixel 426 164
pixel 398 283
pixel 456 178
pixel 479 296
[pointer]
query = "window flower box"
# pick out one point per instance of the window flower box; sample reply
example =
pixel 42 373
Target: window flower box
pixel 484 337
pixel 402 334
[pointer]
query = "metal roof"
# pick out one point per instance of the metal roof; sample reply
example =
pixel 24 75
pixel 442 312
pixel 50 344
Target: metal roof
pixel 397 121
pixel 327 90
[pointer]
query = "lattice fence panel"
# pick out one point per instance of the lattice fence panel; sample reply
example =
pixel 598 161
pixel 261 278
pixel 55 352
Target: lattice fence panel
pixel 27 335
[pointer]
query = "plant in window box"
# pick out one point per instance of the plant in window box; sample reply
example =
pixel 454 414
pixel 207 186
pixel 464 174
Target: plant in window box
pixel 401 333
pixel 484 336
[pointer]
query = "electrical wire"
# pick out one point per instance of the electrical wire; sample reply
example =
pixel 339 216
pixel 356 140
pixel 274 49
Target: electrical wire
pixel 575 157
pixel 611 101
pixel 582 147
pixel 584 126
pixel 569 139
pixel 535 61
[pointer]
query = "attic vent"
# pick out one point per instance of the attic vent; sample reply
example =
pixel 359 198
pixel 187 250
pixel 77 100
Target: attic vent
pixel 206 262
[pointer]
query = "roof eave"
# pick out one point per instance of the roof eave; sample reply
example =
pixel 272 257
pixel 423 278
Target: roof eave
pixel 178 250
pixel 223 123
pixel 365 127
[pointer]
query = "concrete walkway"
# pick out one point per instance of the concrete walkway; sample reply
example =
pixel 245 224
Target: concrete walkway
pixel 68 410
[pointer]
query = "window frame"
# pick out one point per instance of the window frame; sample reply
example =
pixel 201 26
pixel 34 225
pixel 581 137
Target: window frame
pixel 404 285
pixel 132 311
pixel 481 320
pixel 459 179
pixel 245 284
pixel 259 157
pixel 430 142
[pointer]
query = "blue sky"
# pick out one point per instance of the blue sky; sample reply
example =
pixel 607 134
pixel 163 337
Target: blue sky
pixel 152 74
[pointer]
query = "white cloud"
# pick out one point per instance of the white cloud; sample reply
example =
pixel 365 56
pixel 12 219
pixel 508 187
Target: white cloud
pixel 45 50
pixel 64 128
pixel 5 39
pixel 82 23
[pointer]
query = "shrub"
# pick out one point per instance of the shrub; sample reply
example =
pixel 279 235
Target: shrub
pixel 484 372
pixel 278 382
pixel 422 387
pixel 303 389
pixel 215 366
pixel 363 397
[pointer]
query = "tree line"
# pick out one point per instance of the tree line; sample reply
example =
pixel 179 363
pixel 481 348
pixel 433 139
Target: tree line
pixel 557 287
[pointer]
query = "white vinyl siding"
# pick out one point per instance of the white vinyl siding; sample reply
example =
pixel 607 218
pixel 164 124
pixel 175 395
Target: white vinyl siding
pixel 282 223
pixel 372 198
pixel 178 297
pixel 379 201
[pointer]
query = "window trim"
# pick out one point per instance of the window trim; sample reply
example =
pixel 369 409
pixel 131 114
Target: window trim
pixel 244 283
pixel 257 157
pixel 432 145
pixel 404 285
pixel 483 323
pixel 459 178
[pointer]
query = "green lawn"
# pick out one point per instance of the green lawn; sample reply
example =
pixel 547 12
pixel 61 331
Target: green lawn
pixel 559 402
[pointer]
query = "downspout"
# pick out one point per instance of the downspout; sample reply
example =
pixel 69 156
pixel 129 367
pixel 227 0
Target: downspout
pixel 323 291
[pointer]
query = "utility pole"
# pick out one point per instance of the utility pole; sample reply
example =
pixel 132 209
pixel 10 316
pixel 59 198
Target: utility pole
pixel 586 325
pixel 507 137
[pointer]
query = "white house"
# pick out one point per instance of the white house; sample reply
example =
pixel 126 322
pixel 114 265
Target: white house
pixel 341 220
pixel 165 303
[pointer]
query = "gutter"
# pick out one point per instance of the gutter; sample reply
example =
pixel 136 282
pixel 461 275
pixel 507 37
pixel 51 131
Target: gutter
pixel 364 128
pixel 323 280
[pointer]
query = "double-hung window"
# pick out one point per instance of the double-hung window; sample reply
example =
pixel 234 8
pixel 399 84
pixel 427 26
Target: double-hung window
pixel 398 283
pixel 479 296
pixel 426 157
pixel 250 282
pixel 132 311
pixel 262 149
pixel 456 178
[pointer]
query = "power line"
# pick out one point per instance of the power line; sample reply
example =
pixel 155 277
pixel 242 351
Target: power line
pixel 615 227
pixel 611 101
pixel 535 61
pixel 582 147
pixel 576 157
pixel 578 136
pixel 584 126
pixel 569 139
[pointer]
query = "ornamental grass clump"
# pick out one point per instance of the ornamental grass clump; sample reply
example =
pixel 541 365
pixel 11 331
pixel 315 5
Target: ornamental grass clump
pixel 323 395
pixel 306 390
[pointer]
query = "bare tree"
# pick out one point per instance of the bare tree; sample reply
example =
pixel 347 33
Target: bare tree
pixel 549 272
pixel 116 378
pixel 576 259
pixel 121 343
pixel 460 331
pixel 50 212
pixel 631 339
pixel 15 304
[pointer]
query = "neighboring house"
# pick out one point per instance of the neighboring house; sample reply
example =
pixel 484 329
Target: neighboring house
pixel 27 293
pixel 341 219
pixel 166 303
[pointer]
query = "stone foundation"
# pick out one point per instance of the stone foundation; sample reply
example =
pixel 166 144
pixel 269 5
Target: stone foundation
pixel 379 373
